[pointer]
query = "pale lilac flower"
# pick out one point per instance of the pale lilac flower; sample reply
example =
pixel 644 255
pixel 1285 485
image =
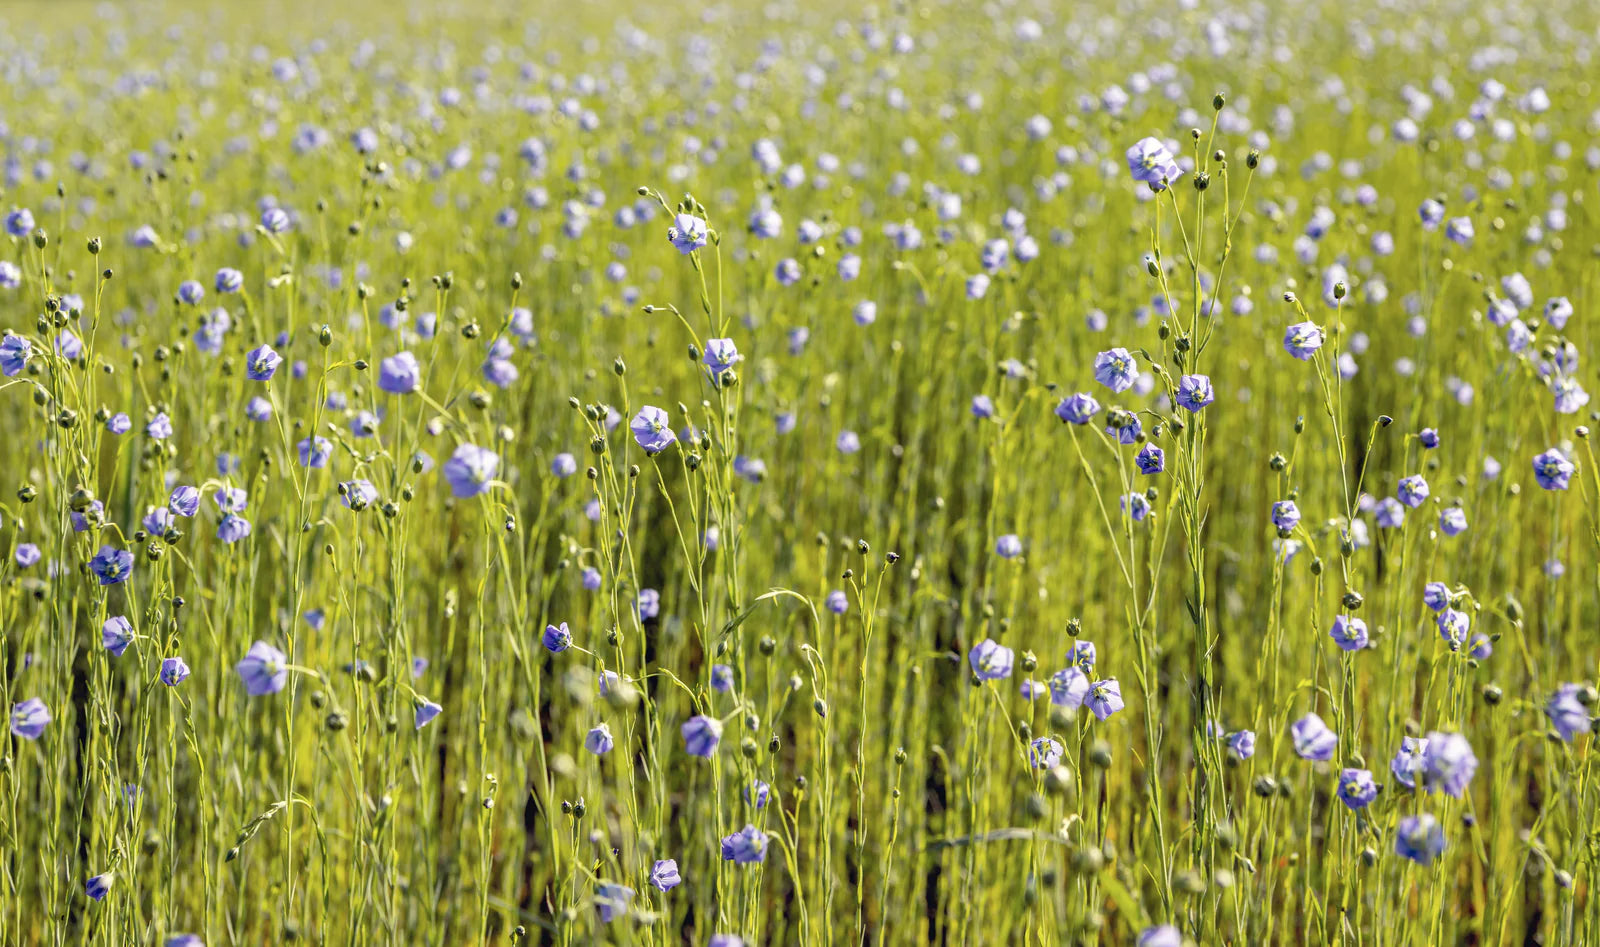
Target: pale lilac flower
pixel 1312 738
pixel 1105 698
pixel 264 670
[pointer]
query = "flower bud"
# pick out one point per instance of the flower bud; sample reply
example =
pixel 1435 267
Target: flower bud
pixel 1088 861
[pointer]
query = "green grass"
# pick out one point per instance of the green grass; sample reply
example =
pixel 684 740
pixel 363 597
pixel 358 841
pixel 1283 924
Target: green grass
pixel 903 806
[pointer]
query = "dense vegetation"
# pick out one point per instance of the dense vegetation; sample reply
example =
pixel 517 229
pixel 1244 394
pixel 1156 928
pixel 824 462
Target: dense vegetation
pixel 810 474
